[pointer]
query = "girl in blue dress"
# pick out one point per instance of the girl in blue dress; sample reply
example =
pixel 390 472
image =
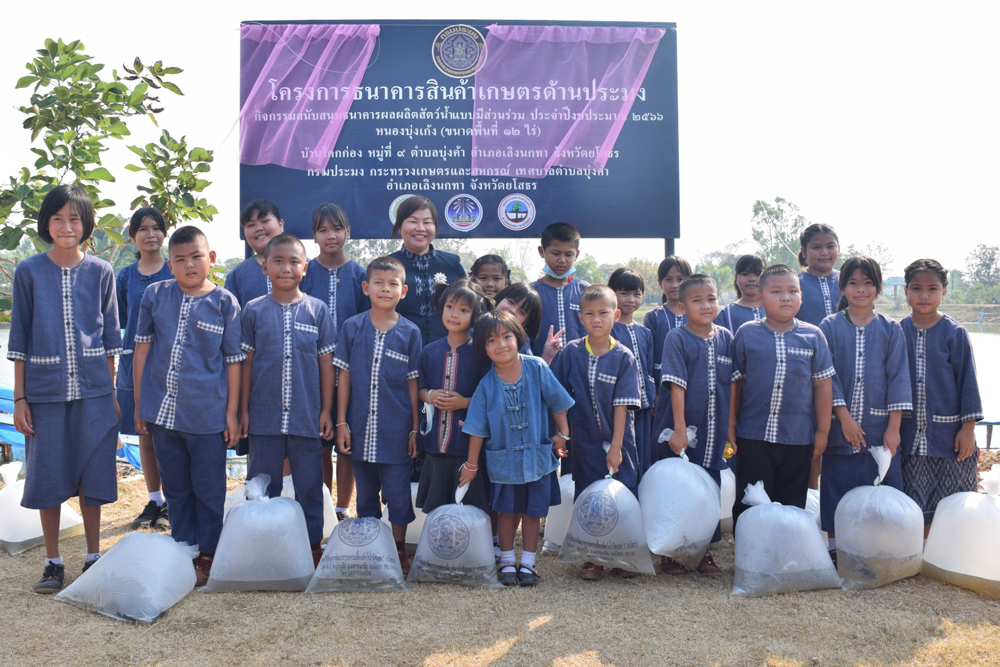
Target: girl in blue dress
pixel 449 375
pixel 509 416
pixel 667 316
pixel 871 389
pixel 492 274
pixel 64 336
pixel 819 281
pixel 147 229
pixel 745 308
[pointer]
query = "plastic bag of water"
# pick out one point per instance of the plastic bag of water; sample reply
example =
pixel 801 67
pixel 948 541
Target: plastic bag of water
pixel 359 557
pixel 329 511
pixel 557 521
pixel 20 527
pixel 728 498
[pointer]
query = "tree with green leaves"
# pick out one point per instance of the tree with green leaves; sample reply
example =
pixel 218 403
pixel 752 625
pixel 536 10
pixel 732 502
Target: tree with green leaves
pixel 74 114
pixel 982 265
pixel 775 229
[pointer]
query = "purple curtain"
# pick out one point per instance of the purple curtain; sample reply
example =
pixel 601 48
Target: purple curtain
pixel 555 95
pixel 297 83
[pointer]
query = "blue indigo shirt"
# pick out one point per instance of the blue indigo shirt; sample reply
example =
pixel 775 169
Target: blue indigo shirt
pixel 560 310
pixel 247 281
pixel 820 296
pixel 639 340
pixel 460 372
pixel 339 289
pixel 660 321
pixel 422 272
pixel 734 316
pixel 130 285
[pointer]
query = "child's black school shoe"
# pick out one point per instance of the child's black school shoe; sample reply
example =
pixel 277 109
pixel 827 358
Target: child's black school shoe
pixel 708 566
pixel 507 578
pixel 670 566
pixel 202 569
pixel 163 520
pixel 52 579
pixel 527 575
pixel 150 513
pixel 90 563
pixel 342 516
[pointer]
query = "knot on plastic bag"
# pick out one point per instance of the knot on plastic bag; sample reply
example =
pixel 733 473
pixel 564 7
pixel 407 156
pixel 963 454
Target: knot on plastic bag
pixel 257 487
pixel 9 472
pixel 991 480
pixel 883 459
pixel 755 495
pixel 460 493
pixel 691 433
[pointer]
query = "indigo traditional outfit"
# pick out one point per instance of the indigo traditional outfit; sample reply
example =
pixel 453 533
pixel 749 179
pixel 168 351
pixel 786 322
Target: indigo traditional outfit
pixel 247 281
pixel 560 310
pixel 775 426
pixel 183 398
pixel 734 315
pixel 64 326
pixel 130 285
pixel 639 340
pixel 441 437
pixel 820 296
pixel 942 374
pixel 660 321
pixel 598 384
pixel 379 416
pixel 422 272
pixel 513 420
pixel 872 380
pixel 287 341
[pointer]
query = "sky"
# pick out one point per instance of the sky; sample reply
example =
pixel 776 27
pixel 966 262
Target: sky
pixel 877 118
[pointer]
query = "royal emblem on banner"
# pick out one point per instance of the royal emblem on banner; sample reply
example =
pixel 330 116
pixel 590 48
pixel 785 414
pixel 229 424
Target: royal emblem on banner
pixel 516 212
pixel 394 206
pixel 456 50
pixel 463 213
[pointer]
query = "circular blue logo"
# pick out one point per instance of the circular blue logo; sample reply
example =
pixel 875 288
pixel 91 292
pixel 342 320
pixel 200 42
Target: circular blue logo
pixel 456 50
pixel 359 532
pixel 447 536
pixel 598 513
pixel 463 213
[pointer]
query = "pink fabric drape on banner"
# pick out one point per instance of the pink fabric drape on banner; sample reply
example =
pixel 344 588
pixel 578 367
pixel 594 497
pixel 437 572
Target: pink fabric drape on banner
pixel 575 87
pixel 297 83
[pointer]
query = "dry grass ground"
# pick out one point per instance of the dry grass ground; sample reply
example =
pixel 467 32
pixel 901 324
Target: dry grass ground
pixel 685 620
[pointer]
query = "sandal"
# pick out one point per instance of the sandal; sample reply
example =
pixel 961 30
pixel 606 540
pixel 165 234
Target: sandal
pixel 708 566
pixel 527 575
pixel 202 569
pixel 507 578
pixel 591 572
pixel 670 566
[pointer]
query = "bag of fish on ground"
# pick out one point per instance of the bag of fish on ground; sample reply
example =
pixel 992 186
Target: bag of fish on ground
pixel 329 511
pixel 138 579
pixel 812 507
pixel 456 547
pixel 359 557
pixel 728 498
pixel 880 532
pixel 681 507
pixel 606 529
pixel 557 521
pixel 779 549
pixel 964 540
pixel 20 527
pixel 264 545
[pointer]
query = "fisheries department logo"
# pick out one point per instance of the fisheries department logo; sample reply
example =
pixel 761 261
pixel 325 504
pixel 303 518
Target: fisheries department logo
pixel 456 50
pixel 447 536
pixel 516 212
pixel 598 513
pixel 394 206
pixel 463 213
pixel 359 532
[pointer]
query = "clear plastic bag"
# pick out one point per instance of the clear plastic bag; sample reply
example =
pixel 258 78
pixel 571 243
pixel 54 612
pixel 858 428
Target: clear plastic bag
pixel 329 511
pixel 880 532
pixel 812 506
pixel 360 557
pixel 20 527
pixel 234 499
pixel 691 431
pixel 264 545
pixel 779 549
pixel 456 547
pixel 606 529
pixel 138 579
pixel 557 521
pixel 728 498
pixel 681 507
pixel 415 527
pixel 964 540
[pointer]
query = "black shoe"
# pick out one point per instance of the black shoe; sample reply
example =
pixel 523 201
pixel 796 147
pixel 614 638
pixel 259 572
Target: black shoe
pixel 527 575
pixel 163 520
pixel 52 579
pixel 507 578
pixel 88 564
pixel 148 517
pixel 833 556
pixel 342 516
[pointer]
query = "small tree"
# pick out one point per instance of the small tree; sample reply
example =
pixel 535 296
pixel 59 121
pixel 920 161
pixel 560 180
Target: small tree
pixel 776 229
pixel 877 250
pixel 982 265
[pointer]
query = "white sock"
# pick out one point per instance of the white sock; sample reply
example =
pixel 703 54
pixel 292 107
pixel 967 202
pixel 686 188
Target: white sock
pixel 833 543
pixel 92 557
pixel 507 557
pixel 157 497
pixel 342 510
pixel 528 558
pixel 57 561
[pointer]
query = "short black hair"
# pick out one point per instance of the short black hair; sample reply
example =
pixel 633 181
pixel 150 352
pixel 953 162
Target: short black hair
pixel 463 289
pixel 599 293
pixel 408 207
pixel 925 264
pixel 58 197
pixel 694 280
pixel 525 295
pixel 283 239
pixel 746 264
pixel 385 264
pixel 329 213
pixel 625 279
pixel 261 207
pixel 868 266
pixel 560 231
pixel 487 260
pixel 807 235
pixel 489 324
pixel 776 270
pixel 136 221
pixel 187 234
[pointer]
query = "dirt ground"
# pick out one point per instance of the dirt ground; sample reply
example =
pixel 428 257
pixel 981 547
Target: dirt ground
pixel 662 620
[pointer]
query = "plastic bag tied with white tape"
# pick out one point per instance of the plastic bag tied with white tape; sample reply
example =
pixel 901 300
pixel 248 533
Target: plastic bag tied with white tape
pixel 138 579
pixel 359 557
pixel 557 521
pixel 20 527
pixel 964 540
pixel 681 508
pixel 264 545
pixel 456 547
pixel 779 549
pixel 880 532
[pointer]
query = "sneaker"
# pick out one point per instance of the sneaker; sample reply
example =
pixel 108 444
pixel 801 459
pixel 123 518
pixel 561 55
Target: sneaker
pixel 148 517
pixel 404 562
pixel 88 564
pixel 591 572
pixel 202 569
pixel 527 575
pixel 507 578
pixel 342 516
pixel 52 579
pixel 163 520
pixel 708 566
pixel 670 566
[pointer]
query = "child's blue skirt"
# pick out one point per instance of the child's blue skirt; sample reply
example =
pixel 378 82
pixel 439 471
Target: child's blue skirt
pixel 532 499
pixel 72 451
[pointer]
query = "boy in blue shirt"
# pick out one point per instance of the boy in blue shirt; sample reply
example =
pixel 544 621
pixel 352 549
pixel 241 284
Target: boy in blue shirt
pixel 782 394
pixel 289 341
pixel 378 354
pixel 560 294
pixel 187 385
pixel 261 222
